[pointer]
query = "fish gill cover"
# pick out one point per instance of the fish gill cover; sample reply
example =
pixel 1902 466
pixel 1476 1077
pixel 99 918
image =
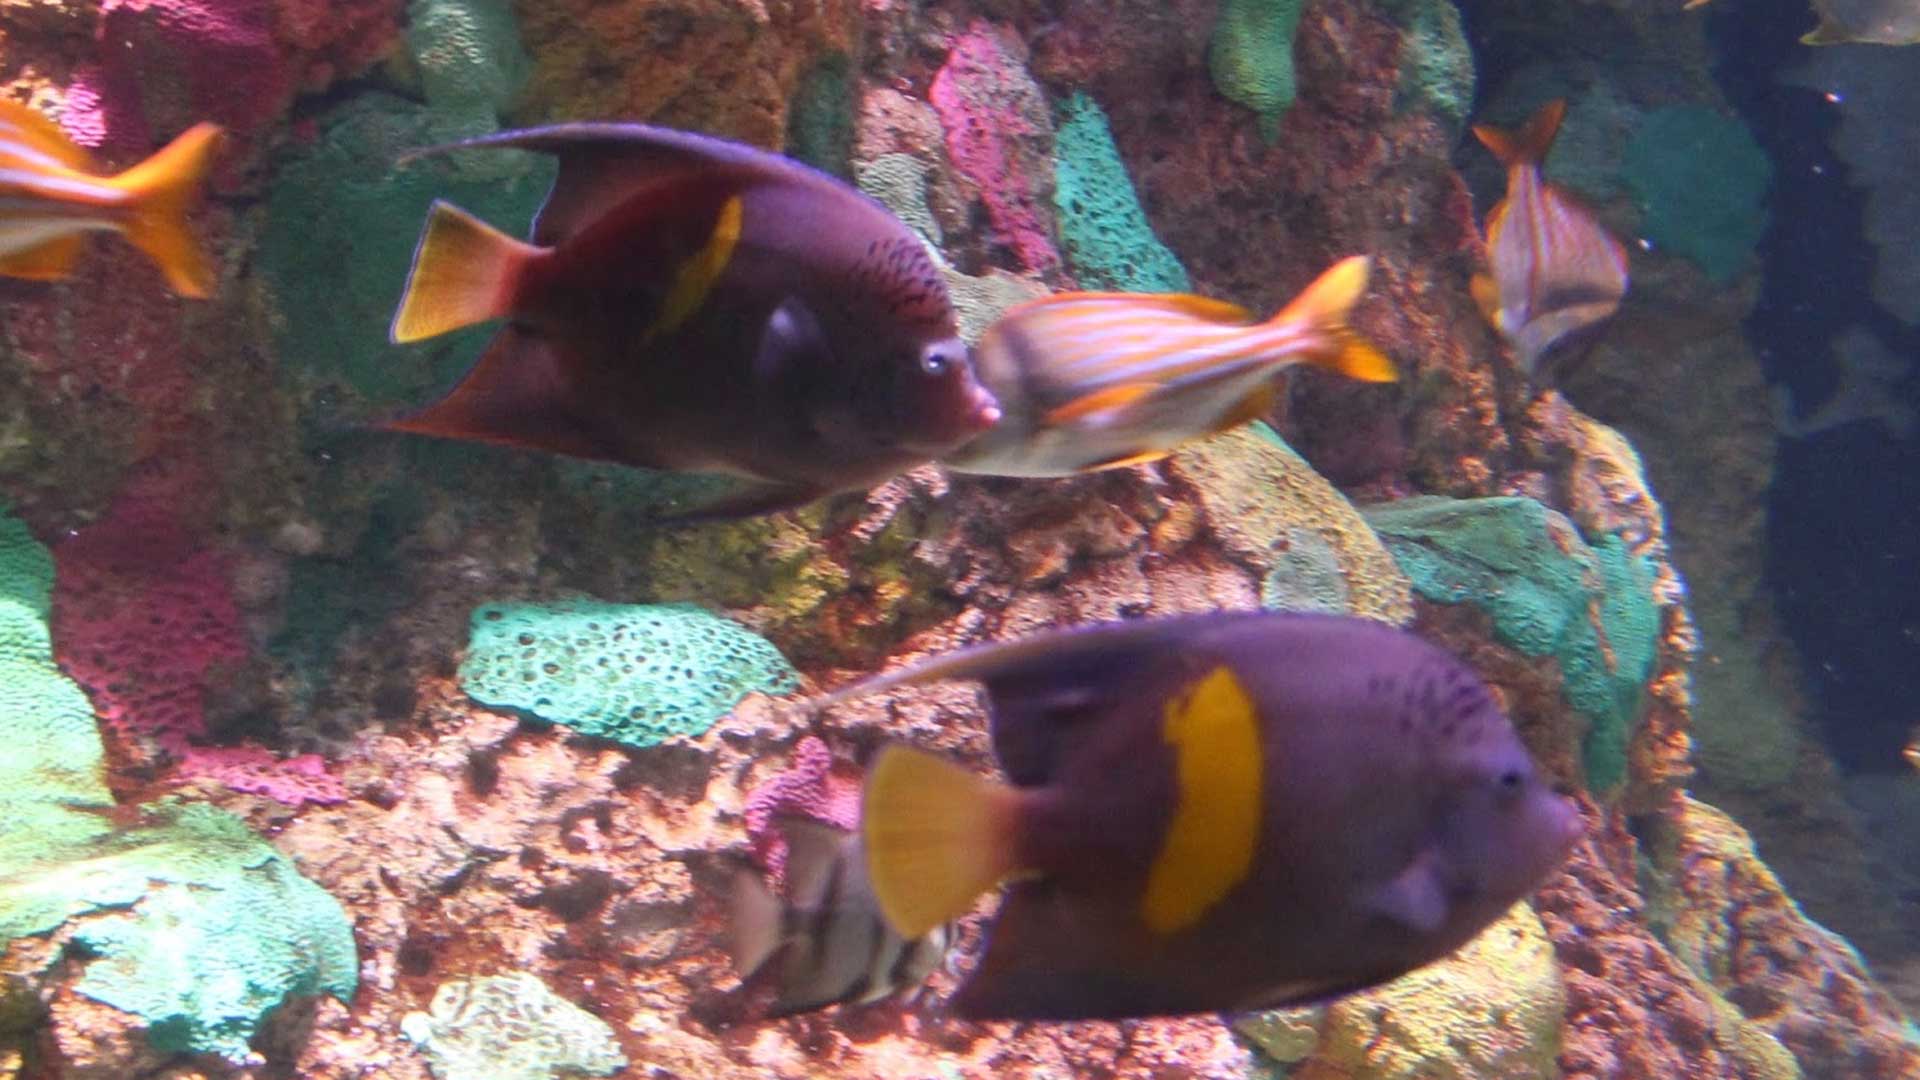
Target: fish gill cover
pixel 636 674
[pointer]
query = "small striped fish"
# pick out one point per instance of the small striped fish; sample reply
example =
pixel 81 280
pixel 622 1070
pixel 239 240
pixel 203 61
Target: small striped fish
pixel 832 944
pixel 1090 381
pixel 1912 750
pixel 52 194
pixel 1555 268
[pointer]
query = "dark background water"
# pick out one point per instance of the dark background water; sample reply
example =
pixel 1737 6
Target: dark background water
pixel 1845 512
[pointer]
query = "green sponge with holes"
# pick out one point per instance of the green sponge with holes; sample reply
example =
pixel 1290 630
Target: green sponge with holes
pixel 633 673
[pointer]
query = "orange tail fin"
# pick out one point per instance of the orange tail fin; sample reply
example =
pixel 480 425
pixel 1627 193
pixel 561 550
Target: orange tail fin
pixel 464 272
pixel 1323 310
pixel 1529 144
pixel 165 187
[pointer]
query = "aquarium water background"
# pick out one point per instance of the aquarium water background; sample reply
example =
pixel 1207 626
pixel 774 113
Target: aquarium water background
pixel 334 752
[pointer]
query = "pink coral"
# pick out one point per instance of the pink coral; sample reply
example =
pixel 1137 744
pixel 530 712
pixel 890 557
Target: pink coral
pixel 144 616
pixel 814 786
pixel 251 769
pixel 165 64
pixel 997 136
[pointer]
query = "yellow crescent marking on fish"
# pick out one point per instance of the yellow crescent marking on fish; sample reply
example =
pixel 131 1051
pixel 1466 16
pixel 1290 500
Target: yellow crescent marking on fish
pixel 1214 732
pixel 698 274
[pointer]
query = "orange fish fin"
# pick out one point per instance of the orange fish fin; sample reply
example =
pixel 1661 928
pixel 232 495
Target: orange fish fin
pixel 50 261
pixel 517 394
pixel 1125 460
pixel 464 272
pixel 1486 296
pixel 38 132
pixel 164 187
pixel 1529 144
pixel 1323 308
pixel 1106 400
pixel 1254 406
pixel 937 836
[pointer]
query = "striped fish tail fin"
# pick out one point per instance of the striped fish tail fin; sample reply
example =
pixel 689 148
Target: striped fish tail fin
pixel 1527 145
pixel 165 187
pixel 1322 311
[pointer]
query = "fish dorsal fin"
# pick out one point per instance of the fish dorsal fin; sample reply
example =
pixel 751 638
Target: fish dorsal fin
pixel 1528 145
pixel 1213 733
pixel 604 164
pixel 1046 689
pixel 812 847
pixel 1199 307
pixel 35 131
pixel 517 394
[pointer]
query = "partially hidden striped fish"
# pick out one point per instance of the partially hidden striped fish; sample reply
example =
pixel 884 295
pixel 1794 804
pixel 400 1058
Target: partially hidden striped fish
pixel 52 193
pixel 830 941
pixel 1090 381
pixel 1555 268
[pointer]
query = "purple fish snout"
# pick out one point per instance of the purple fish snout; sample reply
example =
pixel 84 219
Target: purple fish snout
pixel 983 409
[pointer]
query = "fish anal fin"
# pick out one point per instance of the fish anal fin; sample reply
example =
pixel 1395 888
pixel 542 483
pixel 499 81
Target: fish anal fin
pixel 1528 144
pixel 50 261
pixel 164 187
pixel 748 498
pixel 1254 406
pixel 516 394
pixel 936 837
pixel 1057 956
pixel 464 272
pixel 1124 461
pixel 1110 399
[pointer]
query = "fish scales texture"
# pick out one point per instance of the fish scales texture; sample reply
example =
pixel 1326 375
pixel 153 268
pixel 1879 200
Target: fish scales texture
pixel 695 304
pixel 1399 815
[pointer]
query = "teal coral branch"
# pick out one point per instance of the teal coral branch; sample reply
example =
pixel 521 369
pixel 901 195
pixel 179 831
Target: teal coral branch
pixel 1104 234
pixel 1251 56
pixel 1550 593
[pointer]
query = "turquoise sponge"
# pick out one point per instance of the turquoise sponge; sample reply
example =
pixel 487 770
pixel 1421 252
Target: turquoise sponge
pixel 1103 232
pixel 636 674
pixel 1549 593
pixel 194 924
pixel 1251 56
pixel 1701 181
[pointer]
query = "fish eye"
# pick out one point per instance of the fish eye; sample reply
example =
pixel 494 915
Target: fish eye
pixel 1511 780
pixel 935 364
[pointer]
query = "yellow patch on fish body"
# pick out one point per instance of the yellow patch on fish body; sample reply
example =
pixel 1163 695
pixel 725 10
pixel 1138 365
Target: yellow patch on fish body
pixel 1215 735
pixel 697 276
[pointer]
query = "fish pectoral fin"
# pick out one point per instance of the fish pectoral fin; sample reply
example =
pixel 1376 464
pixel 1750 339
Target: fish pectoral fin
pixel 1100 407
pixel 1414 899
pixel 50 261
pixel 936 836
pixel 165 187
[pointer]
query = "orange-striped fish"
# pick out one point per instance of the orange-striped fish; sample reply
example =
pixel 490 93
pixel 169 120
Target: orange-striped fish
pixel 1091 381
pixel 1911 751
pixel 52 192
pixel 1555 268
